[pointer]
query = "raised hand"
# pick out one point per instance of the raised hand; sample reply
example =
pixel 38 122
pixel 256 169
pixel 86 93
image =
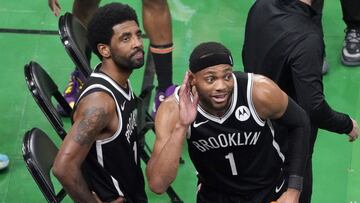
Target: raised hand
pixel 354 134
pixel 188 104
pixel 289 196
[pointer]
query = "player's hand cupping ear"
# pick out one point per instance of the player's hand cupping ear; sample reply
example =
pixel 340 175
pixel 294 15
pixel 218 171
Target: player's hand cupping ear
pixel 188 102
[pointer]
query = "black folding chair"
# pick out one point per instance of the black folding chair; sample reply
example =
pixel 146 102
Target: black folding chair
pixel 43 90
pixel 39 153
pixel 73 36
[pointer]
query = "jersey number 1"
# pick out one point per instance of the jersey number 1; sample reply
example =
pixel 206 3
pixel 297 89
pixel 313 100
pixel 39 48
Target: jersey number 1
pixel 230 156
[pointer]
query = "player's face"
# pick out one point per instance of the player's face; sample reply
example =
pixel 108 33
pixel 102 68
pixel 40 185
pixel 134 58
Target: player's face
pixel 214 86
pixel 126 46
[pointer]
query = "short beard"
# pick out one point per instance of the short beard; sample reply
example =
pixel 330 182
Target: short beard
pixel 127 63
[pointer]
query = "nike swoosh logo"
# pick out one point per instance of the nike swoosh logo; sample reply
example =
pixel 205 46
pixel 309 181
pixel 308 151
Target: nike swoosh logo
pixel 122 106
pixel 277 189
pixel 198 124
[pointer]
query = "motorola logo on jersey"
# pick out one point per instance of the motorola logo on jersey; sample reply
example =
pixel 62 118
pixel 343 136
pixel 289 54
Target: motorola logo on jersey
pixel 242 113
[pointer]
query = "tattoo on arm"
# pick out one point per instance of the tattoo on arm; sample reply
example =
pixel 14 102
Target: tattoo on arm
pixel 94 120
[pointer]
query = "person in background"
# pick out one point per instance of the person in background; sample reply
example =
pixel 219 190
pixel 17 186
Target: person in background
pixel 291 53
pixel 350 54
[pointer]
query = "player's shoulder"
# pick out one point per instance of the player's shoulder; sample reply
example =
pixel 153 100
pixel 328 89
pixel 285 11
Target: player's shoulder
pixel 96 101
pixel 263 83
pixel 167 115
pixel 169 104
pixel 267 96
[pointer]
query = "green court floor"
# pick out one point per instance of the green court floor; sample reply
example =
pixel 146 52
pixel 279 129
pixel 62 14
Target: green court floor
pixel 336 161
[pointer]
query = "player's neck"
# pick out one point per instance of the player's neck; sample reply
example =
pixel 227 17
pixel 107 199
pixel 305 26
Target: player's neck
pixel 119 75
pixel 215 112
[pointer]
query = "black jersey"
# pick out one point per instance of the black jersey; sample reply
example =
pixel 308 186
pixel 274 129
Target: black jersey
pixel 112 167
pixel 236 153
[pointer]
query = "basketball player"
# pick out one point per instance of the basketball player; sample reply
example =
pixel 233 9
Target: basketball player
pixel 225 118
pixel 157 24
pixel 102 139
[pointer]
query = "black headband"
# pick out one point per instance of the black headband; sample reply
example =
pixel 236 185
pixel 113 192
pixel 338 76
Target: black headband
pixel 209 60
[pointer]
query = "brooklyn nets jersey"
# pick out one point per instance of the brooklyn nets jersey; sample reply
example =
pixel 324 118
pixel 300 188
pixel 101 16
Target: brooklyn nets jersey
pixel 112 167
pixel 236 153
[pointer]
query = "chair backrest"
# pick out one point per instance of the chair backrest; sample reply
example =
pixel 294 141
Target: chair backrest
pixel 43 89
pixel 73 36
pixel 39 153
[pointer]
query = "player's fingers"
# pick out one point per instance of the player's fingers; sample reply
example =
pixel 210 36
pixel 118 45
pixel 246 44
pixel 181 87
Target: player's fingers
pixel 56 12
pixel 119 200
pixel 57 4
pixel 186 78
pixel 55 7
pixel 96 197
pixel 195 97
pixel 182 87
pixel 351 139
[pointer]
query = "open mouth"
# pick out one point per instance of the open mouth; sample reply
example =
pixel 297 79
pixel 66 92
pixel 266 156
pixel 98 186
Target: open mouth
pixel 138 55
pixel 219 98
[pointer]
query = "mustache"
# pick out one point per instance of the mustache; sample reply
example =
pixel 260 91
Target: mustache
pixel 137 50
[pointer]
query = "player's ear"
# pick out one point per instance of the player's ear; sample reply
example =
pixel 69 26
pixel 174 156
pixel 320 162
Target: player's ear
pixel 192 79
pixel 104 50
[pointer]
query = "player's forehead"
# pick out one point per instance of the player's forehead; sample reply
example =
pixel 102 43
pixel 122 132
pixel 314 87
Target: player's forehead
pixel 126 27
pixel 215 70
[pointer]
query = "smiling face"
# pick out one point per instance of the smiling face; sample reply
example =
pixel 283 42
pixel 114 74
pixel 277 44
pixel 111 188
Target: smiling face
pixel 126 46
pixel 215 86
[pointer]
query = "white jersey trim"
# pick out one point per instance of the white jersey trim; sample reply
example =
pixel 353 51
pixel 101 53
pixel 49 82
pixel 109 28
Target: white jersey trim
pixel 176 93
pixel 116 184
pixel 274 143
pixel 99 154
pixel 249 90
pixel 115 85
pixel 99 143
pixel 116 134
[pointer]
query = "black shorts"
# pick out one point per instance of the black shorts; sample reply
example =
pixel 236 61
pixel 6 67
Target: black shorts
pixel 207 194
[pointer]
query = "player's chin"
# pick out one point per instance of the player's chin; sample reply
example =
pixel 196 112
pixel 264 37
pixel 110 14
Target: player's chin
pixel 137 63
pixel 219 105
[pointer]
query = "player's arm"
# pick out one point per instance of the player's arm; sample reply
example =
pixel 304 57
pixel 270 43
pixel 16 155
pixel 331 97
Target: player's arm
pixel 162 167
pixel 171 124
pixel 271 102
pixel 307 80
pixel 92 117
